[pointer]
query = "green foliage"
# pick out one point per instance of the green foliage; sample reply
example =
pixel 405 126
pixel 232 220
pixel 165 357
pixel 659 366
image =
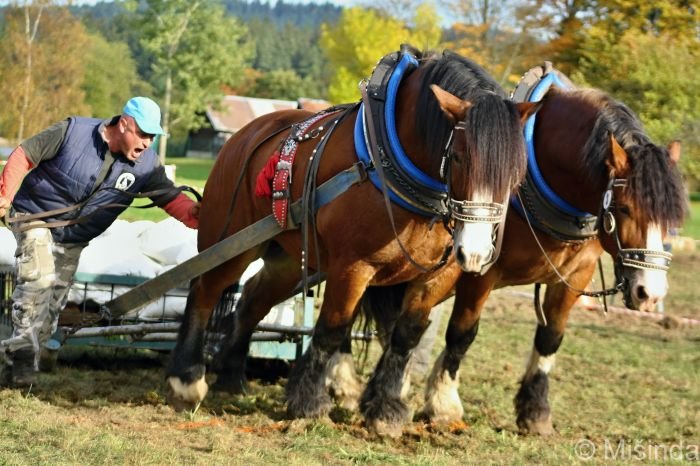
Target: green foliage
pixel 656 75
pixel 108 87
pixel 196 50
pixel 299 63
pixel 279 84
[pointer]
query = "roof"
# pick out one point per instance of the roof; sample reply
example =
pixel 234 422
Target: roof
pixel 313 105
pixel 237 111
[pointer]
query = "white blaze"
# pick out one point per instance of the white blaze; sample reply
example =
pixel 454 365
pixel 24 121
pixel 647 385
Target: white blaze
pixel 473 242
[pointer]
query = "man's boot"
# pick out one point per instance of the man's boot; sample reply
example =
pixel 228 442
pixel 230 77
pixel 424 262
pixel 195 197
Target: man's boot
pixel 24 372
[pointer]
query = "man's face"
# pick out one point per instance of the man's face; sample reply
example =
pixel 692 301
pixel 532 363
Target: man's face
pixel 134 141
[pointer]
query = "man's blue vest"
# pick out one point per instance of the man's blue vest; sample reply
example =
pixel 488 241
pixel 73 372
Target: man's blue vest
pixel 69 178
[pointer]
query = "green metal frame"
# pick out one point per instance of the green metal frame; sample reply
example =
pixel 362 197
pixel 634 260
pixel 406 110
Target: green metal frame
pixel 292 346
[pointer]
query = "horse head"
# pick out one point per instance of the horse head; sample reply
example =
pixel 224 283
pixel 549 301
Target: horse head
pixel 484 162
pixel 644 199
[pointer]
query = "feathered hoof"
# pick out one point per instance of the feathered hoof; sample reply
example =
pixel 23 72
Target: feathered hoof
pixel 542 426
pixel 309 409
pixel 185 397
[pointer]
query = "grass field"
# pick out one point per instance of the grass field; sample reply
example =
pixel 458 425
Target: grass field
pixel 619 383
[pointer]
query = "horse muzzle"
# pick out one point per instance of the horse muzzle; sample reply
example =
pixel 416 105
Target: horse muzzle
pixel 479 234
pixel 643 275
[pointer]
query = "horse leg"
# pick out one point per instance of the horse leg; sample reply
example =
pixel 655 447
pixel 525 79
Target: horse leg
pixel 274 283
pixel 306 388
pixel 382 306
pixel 383 402
pixel 186 386
pixel 442 402
pixel 531 403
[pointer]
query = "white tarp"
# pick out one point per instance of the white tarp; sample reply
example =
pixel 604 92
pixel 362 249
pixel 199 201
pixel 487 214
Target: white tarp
pixel 140 249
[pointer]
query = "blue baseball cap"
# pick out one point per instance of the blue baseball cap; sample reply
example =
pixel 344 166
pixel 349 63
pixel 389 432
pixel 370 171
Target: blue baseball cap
pixel 146 113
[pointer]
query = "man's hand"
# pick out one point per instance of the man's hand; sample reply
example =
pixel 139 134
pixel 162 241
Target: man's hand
pixel 4 205
pixel 194 210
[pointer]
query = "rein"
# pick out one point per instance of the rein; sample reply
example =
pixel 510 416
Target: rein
pixel 626 257
pixel 22 218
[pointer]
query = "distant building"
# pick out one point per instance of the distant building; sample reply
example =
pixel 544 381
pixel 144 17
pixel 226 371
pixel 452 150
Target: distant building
pixel 234 113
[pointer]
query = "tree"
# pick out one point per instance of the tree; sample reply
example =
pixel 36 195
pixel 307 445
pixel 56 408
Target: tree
pixel 196 51
pixel 360 39
pixel 279 84
pixel 496 35
pixel 106 86
pixel 41 55
pixel 656 75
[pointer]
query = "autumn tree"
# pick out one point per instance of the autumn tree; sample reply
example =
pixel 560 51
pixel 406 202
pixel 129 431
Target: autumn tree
pixel 500 36
pixel 41 55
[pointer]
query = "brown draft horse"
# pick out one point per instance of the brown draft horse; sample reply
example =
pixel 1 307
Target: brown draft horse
pixel 586 145
pixel 356 246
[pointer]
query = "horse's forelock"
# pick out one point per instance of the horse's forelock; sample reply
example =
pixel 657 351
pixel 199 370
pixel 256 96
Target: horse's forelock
pixel 493 129
pixel 495 140
pixel 456 75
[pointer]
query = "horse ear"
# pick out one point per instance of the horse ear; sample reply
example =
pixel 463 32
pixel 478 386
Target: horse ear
pixel 527 109
pixel 617 163
pixel 454 107
pixel 674 151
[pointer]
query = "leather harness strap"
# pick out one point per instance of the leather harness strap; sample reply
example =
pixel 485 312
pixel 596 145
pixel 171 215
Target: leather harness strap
pixel 229 247
pixel 283 170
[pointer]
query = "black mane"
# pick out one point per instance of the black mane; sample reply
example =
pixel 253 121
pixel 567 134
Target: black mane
pixel 654 181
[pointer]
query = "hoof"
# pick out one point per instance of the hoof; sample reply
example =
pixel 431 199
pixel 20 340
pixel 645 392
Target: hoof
pixel 446 416
pixel 305 410
pixel 343 383
pixel 185 397
pixel 385 429
pixel 542 426
pixel 442 402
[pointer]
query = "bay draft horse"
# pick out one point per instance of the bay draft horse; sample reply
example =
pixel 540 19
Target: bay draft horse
pixel 596 158
pixel 443 97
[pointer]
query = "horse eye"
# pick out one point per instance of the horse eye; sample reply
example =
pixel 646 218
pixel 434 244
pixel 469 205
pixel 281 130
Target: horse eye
pixel 624 210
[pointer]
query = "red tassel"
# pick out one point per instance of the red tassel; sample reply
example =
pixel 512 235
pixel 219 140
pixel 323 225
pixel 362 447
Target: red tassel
pixel 263 184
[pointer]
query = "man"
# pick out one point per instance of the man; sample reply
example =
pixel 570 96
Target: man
pixel 79 161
